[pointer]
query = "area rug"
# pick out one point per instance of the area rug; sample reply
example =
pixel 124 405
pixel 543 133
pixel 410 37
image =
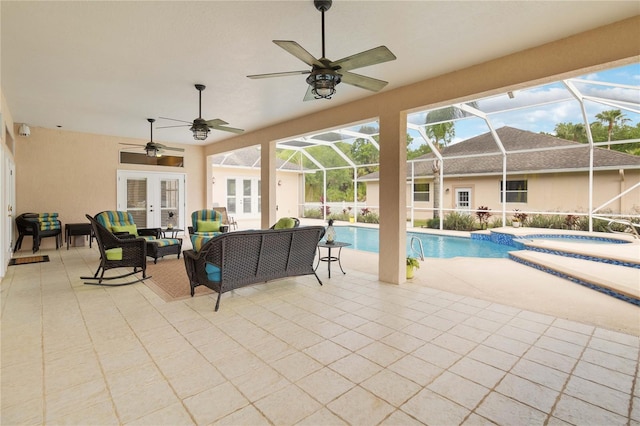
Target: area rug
pixel 169 280
pixel 28 260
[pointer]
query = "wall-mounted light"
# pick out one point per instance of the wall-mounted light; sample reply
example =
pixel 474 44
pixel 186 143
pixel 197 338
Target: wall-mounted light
pixel 279 182
pixel 213 180
pixel 24 130
pixel 446 190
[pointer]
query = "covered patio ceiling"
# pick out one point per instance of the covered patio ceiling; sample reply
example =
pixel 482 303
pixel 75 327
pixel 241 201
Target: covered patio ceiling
pixel 537 109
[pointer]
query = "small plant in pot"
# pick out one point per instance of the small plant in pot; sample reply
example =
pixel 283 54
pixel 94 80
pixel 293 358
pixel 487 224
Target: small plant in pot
pixel 518 218
pixel 412 265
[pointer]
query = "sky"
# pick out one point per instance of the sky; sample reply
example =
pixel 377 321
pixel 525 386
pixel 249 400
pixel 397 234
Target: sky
pixel 552 104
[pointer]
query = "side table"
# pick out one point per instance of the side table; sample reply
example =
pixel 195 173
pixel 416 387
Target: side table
pixel 173 232
pixel 329 258
pixel 71 229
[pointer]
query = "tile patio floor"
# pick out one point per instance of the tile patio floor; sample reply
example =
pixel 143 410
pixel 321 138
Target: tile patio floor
pixel 354 351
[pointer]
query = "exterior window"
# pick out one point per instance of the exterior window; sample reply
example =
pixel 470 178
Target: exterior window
pixel 516 191
pixel 420 192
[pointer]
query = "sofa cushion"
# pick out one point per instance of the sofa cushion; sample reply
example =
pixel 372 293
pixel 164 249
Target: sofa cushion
pixel 114 253
pixel 285 223
pixel 213 272
pixel 164 242
pixel 208 226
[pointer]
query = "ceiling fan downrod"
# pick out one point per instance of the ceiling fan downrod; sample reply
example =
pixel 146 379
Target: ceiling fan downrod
pixel 322 6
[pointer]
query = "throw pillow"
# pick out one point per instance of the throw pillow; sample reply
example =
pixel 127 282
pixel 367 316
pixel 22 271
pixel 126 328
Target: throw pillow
pixel 285 223
pixel 208 226
pixel 131 229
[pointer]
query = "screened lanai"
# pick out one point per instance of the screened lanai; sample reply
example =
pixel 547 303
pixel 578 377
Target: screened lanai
pixel 567 148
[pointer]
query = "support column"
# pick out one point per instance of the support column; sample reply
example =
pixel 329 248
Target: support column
pixel 268 184
pixel 393 197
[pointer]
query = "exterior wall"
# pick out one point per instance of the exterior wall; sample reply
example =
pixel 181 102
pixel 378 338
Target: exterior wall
pixel 566 192
pixel 288 193
pixel 75 174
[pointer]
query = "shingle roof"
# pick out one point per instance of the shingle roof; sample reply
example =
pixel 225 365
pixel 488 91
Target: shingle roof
pixel 573 158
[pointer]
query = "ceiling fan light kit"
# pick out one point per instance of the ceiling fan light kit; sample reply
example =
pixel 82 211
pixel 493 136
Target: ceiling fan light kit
pixel 325 74
pixel 199 126
pixel 153 149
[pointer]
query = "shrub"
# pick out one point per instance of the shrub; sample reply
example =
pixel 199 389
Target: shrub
pixel 459 222
pixel 313 213
pixel 370 217
pixel 434 223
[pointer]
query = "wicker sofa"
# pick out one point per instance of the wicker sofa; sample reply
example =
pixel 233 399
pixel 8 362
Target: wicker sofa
pixel 237 259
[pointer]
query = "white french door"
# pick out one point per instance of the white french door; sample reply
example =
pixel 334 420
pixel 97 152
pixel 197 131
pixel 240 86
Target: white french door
pixel 8 197
pixel 243 197
pixel 463 199
pixel 154 199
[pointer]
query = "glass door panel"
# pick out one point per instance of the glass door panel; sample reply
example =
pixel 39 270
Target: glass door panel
pixel 463 199
pixel 137 200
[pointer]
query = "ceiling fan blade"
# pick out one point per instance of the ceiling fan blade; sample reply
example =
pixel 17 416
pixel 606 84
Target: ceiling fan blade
pixel 227 129
pixel 131 144
pixel 362 81
pixel 168 148
pixel 377 55
pixel 299 52
pixel 216 122
pixel 169 127
pixel 309 96
pixel 278 74
pixel 174 119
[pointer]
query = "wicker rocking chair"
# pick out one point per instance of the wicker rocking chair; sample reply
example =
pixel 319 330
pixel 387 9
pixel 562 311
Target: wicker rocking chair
pixel 118 252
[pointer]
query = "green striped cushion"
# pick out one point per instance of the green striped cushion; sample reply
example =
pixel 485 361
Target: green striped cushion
pixel 198 241
pixel 112 218
pixel 164 242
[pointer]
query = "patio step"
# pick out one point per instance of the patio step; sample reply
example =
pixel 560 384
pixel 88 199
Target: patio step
pixel 622 282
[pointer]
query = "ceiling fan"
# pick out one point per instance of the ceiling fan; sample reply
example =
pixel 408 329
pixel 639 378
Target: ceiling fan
pixel 201 127
pixel 152 148
pixel 325 74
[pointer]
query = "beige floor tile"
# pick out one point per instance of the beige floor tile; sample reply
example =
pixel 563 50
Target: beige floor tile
pixel 272 349
pixel 551 359
pixel 436 355
pixel 527 392
pixel 322 417
pixel 506 411
pixel 431 408
pixel 628 349
pixel 215 403
pixel 391 387
pixel 259 383
pixel 400 418
pixel 476 420
pixel 325 385
pixel 493 357
pixel 617 337
pixel 194 379
pixel 415 369
pixel 506 344
pixel 578 412
pixel 70 400
pixel 540 374
pixel 296 366
pixel 245 416
pixel 102 413
pixel 174 415
pixel 272 405
pixel 360 407
pixel 327 352
pixel 454 343
pixel 381 354
pixel 604 376
pixel 612 362
pixel 355 367
pixel 27 412
pixel 519 334
pixel 352 340
pixel 599 395
pixel 477 372
pixel 402 341
pixel 560 346
pixel 136 404
pixel 575 337
pixel 448 385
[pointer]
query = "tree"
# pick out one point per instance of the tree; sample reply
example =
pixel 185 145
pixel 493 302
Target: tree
pixel 611 117
pixel 571 132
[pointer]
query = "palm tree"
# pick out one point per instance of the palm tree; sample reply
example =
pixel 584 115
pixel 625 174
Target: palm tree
pixel 611 117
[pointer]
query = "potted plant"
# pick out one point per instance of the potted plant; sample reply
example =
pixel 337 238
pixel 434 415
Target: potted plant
pixel 170 222
pixel 518 218
pixel 412 265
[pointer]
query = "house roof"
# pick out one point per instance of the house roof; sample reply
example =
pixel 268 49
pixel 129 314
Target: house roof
pixel 470 156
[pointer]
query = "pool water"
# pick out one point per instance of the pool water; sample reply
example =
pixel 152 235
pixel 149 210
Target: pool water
pixel 438 246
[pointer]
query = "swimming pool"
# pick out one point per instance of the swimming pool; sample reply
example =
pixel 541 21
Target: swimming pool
pixel 438 246
pixel 584 239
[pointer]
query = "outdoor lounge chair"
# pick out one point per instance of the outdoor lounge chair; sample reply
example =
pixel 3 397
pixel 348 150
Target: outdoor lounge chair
pixel 118 252
pixel 226 219
pixel 207 223
pixel 121 223
pixel 39 226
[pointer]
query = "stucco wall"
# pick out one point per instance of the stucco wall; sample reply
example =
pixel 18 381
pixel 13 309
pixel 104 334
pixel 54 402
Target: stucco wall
pixel 75 174
pixel 568 192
